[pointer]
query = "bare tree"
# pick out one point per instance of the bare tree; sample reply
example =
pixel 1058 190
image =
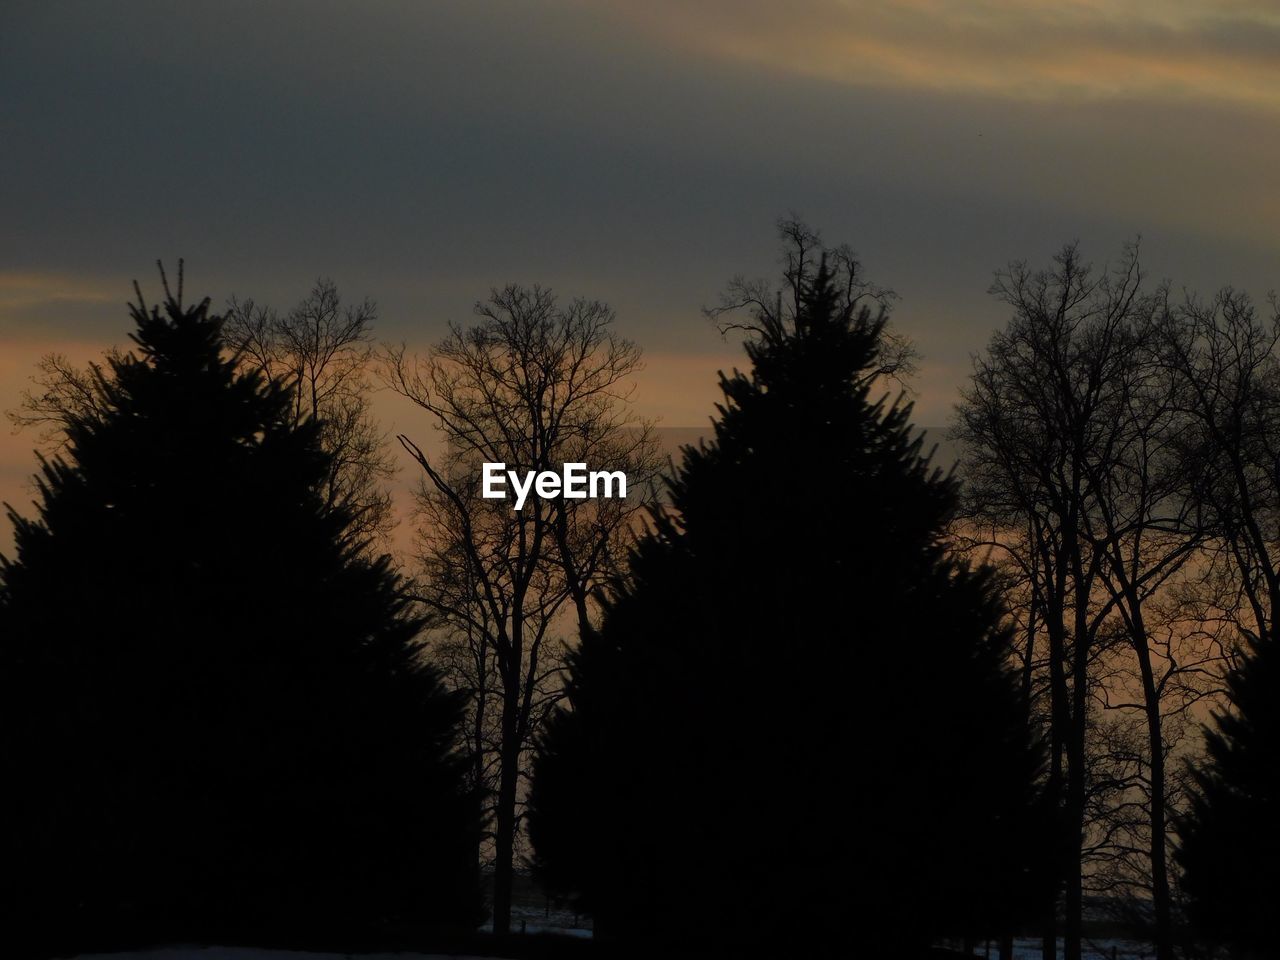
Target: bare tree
pixel 1138 778
pixel 1146 532
pixel 1224 358
pixel 532 385
pixel 61 393
pixel 324 350
pixel 1070 433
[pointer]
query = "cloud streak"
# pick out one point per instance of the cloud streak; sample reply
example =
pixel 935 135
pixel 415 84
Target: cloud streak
pixel 1186 49
pixel 40 304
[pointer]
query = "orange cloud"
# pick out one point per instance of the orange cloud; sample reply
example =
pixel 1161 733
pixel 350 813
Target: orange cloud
pixel 20 292
pixel 1024 49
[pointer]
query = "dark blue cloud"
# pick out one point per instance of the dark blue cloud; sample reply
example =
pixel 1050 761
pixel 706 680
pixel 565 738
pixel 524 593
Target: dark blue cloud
pixel 420 152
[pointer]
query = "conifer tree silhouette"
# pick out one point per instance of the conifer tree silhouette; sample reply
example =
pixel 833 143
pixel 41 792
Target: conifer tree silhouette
pixel 795 725
pixel 1230 838
pixel 215 714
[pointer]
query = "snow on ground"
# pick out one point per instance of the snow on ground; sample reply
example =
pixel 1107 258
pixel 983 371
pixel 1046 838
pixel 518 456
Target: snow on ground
pixel 1102 949
pixel 1110 949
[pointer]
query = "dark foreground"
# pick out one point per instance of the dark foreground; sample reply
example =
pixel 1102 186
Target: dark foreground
pixel 422 946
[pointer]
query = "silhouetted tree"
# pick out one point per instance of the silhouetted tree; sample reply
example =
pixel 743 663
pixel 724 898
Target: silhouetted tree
pixel 215 714
pixel 1230 840
pixel 1226 359
pixel 532 384
pixel 796 722
pixel 321 350
pixel 1074 480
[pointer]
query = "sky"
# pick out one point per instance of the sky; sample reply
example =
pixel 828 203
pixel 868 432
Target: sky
pixel 419 153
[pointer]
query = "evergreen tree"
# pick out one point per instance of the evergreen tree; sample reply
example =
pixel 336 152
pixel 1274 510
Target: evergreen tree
pixel 215 713
pixel 1230 838
pixel 796 723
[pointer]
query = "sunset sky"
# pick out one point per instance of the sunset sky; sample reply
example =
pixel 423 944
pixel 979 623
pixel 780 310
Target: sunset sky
pixel 421 152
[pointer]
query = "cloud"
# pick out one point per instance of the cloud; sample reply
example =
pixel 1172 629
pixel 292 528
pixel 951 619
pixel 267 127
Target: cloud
pixel 1070 49
pixel 39 305
pixel 639 153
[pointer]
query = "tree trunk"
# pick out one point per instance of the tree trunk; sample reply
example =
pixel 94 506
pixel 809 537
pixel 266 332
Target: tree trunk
pixel 1159 863
pixel 504 841
pixel 1059 726
pixel 1160 896
pixel 477 771
pixel 1074 900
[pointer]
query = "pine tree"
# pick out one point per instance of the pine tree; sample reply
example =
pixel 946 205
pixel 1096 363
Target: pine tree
pixel 1230 838
pixel 216 716
pixel 796 724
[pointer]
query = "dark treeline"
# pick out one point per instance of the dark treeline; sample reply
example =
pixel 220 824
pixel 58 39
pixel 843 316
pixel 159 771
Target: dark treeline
pixel 215 714
pixel 821 698
pixel 797 728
